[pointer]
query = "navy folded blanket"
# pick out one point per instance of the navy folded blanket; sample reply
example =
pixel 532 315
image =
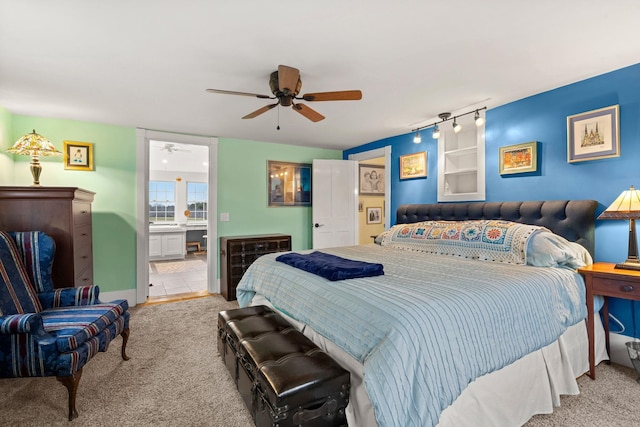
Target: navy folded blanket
pixel 331 267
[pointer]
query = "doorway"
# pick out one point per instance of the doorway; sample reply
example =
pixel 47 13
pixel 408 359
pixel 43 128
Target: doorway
pixel 380 157
pixel 371 199
pixel 178 180
pixel 175 221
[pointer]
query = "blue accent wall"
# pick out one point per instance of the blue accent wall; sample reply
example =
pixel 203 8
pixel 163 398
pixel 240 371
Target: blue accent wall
pixel 543 118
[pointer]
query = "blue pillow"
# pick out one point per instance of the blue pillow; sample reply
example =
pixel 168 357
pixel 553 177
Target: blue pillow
pixel 546 249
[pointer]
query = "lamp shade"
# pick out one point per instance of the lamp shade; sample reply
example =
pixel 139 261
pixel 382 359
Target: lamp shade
pixel 626 206
pixel 33 144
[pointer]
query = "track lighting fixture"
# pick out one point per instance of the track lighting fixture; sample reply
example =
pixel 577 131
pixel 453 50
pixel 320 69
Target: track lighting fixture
pixel 417 139
pixel 436 132
pixel 457 127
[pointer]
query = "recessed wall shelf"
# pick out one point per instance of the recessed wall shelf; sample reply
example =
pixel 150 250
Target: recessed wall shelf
pixel 461 163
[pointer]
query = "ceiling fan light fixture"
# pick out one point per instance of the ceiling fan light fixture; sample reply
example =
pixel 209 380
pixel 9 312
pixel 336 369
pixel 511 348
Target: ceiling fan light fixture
pixel 417 139
pixel 285 85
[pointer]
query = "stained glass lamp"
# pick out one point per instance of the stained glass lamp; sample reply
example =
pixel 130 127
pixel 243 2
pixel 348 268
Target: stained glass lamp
pixel 34 145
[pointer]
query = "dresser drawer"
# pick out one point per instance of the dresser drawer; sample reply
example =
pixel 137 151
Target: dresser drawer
pixel 82 257
pixel 81 213
pixel 616 288
pixel 84 277
pixel 82 235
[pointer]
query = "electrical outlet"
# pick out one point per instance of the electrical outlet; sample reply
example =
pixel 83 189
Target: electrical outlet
pixel 224 217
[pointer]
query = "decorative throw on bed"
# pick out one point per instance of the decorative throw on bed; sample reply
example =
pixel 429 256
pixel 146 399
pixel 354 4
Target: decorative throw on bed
pixel 487 240
pixel 331 267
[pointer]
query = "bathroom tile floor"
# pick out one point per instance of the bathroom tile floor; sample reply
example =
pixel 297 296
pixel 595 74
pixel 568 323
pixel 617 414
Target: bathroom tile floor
pixel 178 276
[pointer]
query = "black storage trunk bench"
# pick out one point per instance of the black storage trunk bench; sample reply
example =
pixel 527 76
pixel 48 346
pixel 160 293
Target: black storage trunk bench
pixel 282 376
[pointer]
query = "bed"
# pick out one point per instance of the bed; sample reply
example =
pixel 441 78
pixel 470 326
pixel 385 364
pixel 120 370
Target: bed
pixel 459 330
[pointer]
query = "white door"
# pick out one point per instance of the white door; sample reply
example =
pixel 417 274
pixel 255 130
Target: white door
pixel 334 200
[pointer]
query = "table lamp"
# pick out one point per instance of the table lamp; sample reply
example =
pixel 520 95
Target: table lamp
pixel 627 206
pixel 34 145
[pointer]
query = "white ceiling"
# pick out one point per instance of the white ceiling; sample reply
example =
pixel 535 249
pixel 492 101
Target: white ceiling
pixel 147 63
pixel 175 157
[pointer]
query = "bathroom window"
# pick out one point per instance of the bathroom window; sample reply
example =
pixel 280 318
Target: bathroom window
pixel 197 201
pixel 162 201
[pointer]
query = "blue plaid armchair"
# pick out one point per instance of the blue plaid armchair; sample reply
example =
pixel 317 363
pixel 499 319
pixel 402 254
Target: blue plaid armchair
pixel 46 331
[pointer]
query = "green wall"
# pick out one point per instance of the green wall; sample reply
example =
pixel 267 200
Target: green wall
pixel 6 141
pixel 242 190
pixel 113 181
pixel 242 187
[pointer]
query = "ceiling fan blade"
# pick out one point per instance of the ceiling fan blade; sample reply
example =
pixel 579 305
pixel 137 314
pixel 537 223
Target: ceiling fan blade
pixel 344 95
pixel 231 92
pixel 260 111
pixel 309 113
pixel 288 78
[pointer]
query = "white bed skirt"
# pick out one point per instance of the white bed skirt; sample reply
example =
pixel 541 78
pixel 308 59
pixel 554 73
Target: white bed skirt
pixel 507 397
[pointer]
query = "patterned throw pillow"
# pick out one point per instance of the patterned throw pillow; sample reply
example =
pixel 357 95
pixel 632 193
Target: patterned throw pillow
pixel 488 240
pixel 17 295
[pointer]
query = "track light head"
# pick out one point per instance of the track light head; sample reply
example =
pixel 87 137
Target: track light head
pixel 417 139
pixel 478 119
pixel 436 132
pixel 457 127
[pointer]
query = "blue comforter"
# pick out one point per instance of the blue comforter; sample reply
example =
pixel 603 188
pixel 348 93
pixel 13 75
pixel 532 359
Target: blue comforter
pixel 428 327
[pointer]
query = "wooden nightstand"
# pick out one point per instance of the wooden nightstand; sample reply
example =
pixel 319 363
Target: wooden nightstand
pixel 603 279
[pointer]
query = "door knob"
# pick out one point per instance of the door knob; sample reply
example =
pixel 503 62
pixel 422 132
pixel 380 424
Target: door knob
pixel 316 225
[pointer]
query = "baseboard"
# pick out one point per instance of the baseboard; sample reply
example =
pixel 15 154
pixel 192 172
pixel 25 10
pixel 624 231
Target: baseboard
pixel 129 295
pixel 619 354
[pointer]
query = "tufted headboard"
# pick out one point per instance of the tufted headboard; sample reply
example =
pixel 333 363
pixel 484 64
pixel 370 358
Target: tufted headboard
pixel 572 219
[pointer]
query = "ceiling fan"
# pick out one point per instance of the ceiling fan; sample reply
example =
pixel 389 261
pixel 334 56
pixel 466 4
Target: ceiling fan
pixel 171 148
pixel 285 85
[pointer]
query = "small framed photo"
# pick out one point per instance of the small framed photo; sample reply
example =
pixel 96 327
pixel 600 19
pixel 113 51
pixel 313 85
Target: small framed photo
pixel 519 158
pixel 413 165
pixel 78 156
pixel 371 182
pixel 288 184
pixel 594 135
pixel 374 215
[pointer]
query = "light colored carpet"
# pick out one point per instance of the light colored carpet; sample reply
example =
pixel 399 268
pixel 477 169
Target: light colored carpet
pixel 175 377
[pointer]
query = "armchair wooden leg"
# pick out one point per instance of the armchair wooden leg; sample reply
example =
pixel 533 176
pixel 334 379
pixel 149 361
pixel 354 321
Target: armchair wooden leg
pixel 71 383
pixel 125 338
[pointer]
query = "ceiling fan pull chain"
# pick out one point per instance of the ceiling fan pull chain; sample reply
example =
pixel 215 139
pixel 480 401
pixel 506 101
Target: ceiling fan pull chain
pixel 278 128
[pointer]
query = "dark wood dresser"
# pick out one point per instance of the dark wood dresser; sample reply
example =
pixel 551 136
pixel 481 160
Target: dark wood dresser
pixel 64 213
pixel 237 253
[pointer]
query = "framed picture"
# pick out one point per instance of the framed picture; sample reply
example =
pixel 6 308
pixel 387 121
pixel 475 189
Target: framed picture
pixel 78 156
pixel 593 135
pixel 371 182
pixel 519 158
pixel 413 165
pixel 288 184
pixel 374 215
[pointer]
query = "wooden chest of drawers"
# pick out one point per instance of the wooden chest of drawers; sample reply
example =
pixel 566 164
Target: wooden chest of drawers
pixel 64 213
pixel 237 253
